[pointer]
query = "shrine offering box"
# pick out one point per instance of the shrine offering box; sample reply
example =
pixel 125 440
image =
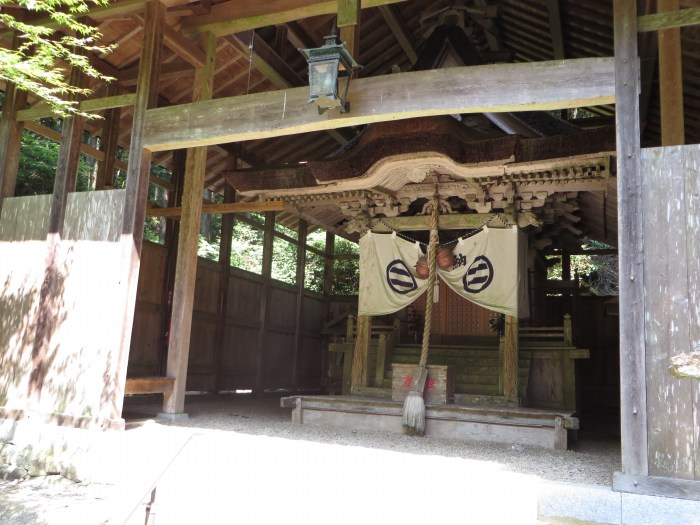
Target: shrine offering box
pixel 439 387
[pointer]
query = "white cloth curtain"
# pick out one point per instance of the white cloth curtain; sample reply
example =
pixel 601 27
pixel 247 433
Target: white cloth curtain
pixel 489 270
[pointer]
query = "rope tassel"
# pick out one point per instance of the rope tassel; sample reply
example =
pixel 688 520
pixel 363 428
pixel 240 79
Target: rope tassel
pixel 414 405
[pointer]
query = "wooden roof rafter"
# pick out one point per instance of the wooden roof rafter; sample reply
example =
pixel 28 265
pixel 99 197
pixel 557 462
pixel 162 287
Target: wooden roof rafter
pixel 235 16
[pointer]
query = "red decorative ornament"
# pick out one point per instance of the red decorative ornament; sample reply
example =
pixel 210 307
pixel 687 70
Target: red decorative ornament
pixel 422 270
pixel 445 258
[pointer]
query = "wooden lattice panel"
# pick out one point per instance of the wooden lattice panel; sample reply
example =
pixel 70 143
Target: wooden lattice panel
pixel 454 315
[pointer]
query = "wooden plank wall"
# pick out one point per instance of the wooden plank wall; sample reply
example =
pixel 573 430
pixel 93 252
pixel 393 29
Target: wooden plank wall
pixel 76 375
pixel 672 288
pixel 147 333
pixel 238 361
pixel 598 377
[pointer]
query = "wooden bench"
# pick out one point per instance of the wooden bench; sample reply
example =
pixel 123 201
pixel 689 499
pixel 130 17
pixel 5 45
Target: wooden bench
pixel 150 385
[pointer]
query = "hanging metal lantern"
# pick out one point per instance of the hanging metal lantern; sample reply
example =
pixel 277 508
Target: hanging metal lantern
pixel 330 70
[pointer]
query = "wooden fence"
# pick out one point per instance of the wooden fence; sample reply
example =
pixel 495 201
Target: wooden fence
pixel 255 348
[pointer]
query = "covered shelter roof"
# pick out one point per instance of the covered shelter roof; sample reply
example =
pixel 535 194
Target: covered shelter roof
pixel 257 52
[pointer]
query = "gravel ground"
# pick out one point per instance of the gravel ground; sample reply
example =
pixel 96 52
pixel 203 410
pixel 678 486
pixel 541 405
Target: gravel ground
pixel 235 422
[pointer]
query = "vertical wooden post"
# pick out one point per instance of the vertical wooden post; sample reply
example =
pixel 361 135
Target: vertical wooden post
pixel 349 25
pixel 64 183
pixel 382 345
pixel 137 177
pixel 67 166
pixel 510 358
pixel 568 331
pixel 566 266
pixel 10 136
pixel 224 274
pixel 186 270
pixel 299 317
pixel 328 266
pixel 633 403
pixel 110 141
pixel 172 234
pixel 671 81
pixel 268 245
pixel 327 295
pixel 359 359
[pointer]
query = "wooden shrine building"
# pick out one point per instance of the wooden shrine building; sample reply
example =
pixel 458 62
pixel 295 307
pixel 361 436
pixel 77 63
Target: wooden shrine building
pixel 570 121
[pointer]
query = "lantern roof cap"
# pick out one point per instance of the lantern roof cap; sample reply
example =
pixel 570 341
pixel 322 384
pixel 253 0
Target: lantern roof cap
pixel 331 47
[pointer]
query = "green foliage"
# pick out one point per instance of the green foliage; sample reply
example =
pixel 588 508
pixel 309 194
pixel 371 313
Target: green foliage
pixel 247 247
pixel 284 261
pixel 346 271
pixel 598 273
pixel 37 166
pixel 41 63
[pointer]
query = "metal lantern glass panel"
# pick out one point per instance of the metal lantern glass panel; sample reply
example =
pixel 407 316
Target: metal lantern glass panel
pixel 330 69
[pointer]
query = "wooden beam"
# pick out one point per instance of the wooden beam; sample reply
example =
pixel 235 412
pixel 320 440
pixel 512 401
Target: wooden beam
pixel 266 60
pixel 137 178
pixel 571 83
pixel 671 81
pixel 633 409
pixel 186 270
pixel 457 221
pixel 399 30
pixel 668 20
pixel 97 104
pixel 223 208
pixel 184 48
pixel 235 16
pixel 178 69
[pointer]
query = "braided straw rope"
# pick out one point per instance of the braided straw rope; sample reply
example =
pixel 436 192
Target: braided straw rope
pixel 432 252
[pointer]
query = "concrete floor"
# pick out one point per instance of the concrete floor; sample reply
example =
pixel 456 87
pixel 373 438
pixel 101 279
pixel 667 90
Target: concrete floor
pixel 241 461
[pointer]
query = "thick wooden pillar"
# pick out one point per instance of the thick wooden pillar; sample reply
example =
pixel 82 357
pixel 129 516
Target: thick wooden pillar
pixel 224 274
pixel 137 178
pixel 671 81
pixel 268 243
pixel 110 140
pixel 299 318
pixel 186 270
pixel 10 137
pixel 633 403
pixel 510 358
